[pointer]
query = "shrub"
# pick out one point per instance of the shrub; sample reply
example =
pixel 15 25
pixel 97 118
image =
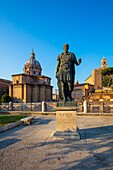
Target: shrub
pixel 6 98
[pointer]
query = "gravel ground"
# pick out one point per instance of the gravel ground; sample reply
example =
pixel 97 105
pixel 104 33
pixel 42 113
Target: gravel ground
pixel 32 147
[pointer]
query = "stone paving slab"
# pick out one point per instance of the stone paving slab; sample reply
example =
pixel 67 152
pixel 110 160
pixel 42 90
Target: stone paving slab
pixel 32 147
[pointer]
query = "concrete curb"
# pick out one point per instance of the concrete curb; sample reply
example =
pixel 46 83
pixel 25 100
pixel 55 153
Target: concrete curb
pixel 28 113
pixel 94 114
pixel 36 113
pixel 10 126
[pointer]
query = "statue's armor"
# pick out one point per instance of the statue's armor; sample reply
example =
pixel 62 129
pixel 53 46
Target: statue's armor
pixel 66 69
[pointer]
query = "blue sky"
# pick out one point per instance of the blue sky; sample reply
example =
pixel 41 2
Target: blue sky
pixel 45 25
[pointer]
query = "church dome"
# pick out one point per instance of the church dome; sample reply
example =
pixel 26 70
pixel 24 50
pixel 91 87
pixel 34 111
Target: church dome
pixel 32 66
pixel 33 61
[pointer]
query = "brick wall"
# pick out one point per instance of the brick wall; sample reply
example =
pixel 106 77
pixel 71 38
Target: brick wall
pixel 4 86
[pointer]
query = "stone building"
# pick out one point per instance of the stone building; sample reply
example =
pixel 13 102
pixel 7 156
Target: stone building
pixel 4 86
pixel 31 86
pixel 96 77
pixel 94 81
pixel 81 91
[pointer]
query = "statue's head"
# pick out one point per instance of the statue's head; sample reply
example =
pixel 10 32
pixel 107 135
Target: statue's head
pixel 66 47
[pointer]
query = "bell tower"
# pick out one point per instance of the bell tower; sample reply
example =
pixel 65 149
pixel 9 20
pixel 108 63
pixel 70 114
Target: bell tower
pixel 103 63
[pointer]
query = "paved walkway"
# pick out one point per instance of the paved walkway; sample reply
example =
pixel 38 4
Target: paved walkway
pixel 32 147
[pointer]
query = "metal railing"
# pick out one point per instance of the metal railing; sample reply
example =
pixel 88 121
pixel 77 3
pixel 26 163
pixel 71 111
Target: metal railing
pixel 21 106
pixel 27 106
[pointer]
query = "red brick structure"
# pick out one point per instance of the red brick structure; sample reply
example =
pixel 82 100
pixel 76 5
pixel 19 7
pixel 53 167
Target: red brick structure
pixel 81 91
pixel 4 86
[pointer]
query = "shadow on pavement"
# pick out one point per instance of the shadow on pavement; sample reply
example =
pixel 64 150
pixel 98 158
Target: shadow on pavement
pixel 12 133
pixel 42 121
pixel 93 151
pixel 98 132
pixel 5 143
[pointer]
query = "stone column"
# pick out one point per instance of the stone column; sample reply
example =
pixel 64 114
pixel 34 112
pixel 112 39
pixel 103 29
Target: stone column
pixel 90 106
pixel 81 107
pixel 10 106
pixel 101 103
pixel 44 106
pixel 85 107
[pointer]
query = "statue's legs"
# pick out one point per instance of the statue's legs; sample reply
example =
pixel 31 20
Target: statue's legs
pixel 62 91
pixel 70 89
pixel 65 90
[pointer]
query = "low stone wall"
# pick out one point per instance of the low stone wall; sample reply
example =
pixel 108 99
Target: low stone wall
pixel 100 107
pixel 10 126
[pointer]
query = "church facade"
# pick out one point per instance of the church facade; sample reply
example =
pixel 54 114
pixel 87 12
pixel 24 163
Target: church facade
pixel 31 86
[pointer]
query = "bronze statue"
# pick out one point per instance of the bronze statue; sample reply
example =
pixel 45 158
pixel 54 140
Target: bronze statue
pixel 65 73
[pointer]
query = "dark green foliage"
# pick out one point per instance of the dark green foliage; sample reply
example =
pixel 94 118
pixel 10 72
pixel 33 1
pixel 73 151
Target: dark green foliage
pixel 107 71
pixel 106 81
pixel 5 98
pixel 107 76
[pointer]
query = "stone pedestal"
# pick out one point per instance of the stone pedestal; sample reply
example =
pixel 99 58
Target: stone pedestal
pixel 66 119
pixel 66 123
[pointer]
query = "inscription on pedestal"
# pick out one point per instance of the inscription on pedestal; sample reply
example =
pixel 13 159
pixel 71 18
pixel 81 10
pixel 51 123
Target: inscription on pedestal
pixel 66 121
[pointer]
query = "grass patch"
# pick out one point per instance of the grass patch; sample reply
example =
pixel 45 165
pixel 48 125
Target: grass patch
pixel 6 119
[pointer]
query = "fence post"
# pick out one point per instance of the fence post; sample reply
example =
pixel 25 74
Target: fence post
pixel 22 106
pixel 101 105
pixel 10 106
pixel 90 107
pixel 31 106
pixel 85 106
pixel 44 106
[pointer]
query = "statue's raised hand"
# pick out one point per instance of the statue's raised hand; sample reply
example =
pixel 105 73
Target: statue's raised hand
pixel 79 60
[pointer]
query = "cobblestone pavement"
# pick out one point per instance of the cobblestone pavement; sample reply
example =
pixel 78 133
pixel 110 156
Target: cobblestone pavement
pixel 33 148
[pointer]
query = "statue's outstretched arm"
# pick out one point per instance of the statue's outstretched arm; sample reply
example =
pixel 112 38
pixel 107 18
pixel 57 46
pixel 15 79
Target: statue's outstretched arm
pixel 75 60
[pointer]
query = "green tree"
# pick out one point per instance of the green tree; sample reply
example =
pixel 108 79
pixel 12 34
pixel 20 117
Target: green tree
pixel 6 98
pixel 107 71
pixel 107 74
pixel 106 81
